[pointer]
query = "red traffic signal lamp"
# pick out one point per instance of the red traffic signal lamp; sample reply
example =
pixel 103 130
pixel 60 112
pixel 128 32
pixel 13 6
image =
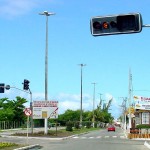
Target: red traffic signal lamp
pixel 116 24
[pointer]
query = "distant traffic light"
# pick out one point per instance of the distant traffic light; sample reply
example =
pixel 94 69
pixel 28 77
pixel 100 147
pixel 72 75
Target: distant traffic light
pixel 116 24
pixel 26 84
pixel 2 87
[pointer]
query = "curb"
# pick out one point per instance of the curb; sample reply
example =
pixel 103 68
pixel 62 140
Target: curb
pixel 24 137
pixel 147 145
pixel 43 138
pixel 27 147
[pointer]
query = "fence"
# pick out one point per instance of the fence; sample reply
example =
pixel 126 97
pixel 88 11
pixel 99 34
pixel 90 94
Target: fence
pixel 11 124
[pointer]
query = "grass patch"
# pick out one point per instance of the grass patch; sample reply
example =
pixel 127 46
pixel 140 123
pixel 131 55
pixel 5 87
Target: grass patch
pixel 9 146
pixel 58 133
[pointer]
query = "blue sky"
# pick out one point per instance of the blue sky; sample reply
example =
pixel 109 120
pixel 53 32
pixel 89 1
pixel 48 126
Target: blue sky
pixel 107 58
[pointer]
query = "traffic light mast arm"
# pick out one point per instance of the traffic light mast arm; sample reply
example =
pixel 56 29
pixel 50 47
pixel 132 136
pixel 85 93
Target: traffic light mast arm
pixel 21 89
pixel 146 25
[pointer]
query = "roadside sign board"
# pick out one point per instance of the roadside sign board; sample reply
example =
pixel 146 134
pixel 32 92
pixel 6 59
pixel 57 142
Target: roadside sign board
pixel 142 103
pixel 45 109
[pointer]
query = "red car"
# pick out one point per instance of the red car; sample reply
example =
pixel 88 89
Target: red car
pixel 111 128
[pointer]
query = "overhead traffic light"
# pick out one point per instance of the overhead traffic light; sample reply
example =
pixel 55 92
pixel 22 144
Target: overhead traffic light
pixel 2 87
pixel 116 24
pixel 26 84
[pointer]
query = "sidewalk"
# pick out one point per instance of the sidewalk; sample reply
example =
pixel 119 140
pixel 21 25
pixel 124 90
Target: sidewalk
pixel 147 140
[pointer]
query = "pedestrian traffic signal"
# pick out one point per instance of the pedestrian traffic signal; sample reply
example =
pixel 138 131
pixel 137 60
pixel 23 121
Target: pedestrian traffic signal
pixel 2 87
pixel 116 24
pixel 26 84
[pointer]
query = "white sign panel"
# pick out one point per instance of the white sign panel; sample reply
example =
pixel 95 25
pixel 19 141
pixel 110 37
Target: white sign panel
pixel 45 109
pixel 142 102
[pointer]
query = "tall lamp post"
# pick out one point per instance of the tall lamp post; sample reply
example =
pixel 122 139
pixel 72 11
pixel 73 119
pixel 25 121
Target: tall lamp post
pixel 46 13
pixel 93 104
pixel 100 100
pixel 82 65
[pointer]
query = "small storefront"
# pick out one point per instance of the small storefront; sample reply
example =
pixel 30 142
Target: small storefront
pixel 140 117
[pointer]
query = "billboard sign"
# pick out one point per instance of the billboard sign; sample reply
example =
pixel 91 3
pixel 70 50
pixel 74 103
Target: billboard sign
pixel 142 102
pixel 45 109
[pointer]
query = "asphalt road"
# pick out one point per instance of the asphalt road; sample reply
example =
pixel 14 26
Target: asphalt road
pixel 97 140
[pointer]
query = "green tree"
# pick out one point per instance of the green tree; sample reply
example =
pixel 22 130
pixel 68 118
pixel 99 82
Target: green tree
pixel 12 110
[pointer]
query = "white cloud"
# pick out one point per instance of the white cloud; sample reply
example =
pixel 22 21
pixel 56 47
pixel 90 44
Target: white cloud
pixel 108 96
pixel 73 101
pixel 115 108
pixel 12 8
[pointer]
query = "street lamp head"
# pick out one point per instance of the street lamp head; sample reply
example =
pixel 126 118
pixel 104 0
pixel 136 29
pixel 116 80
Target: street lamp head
pixel 46 13
pixel 82 65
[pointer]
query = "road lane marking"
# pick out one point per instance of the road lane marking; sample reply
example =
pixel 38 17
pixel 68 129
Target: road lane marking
pixel 123 137
pixel 98 137
pixel 106 136
pixel 114 136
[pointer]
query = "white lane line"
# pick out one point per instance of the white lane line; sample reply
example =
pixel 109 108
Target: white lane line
pixel 123 137
pixel 75 137
pixel 114 136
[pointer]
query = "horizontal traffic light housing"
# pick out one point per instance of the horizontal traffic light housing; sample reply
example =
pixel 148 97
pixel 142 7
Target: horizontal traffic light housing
pixel 116 24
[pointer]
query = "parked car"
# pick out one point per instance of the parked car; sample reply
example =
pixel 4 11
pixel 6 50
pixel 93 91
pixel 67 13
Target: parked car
pixel 111 128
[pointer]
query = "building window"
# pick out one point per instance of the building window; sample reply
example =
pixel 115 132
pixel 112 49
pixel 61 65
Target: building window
pixel 145 118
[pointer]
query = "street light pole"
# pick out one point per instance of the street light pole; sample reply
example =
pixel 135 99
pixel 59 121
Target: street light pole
pixel 93 104
pixel 82 65
pixel 46 13
pixel 100 100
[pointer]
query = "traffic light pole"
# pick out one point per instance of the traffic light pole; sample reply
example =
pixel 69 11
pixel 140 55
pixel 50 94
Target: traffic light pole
pixel 31 107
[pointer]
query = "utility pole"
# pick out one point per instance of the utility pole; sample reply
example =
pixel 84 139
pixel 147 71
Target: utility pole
pixel 82 65
pixel 125 121
pixel 129 98
pixel 124 111
pixel 93 104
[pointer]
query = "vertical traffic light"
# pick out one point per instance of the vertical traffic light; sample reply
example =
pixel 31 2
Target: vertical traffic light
pixel 116 24
pixel 2 87
pixel 26 84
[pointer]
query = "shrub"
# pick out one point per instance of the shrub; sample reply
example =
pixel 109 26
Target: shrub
pixel 88 124
pixel 143 126
pixel 95 125
pixel 77 125
pixel 69 126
